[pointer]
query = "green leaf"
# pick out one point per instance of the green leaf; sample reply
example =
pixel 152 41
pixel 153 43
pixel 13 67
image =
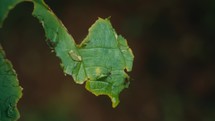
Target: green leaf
pixel 99 61
pixel 105 58
pixel 10 91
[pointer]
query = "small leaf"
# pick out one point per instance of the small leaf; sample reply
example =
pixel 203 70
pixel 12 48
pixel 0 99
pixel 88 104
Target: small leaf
pixel 10 91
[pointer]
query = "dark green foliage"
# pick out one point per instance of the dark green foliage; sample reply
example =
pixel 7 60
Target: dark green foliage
pixel 10 91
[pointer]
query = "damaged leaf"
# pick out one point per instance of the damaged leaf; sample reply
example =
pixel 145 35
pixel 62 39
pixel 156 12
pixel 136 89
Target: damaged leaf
pixel 100 61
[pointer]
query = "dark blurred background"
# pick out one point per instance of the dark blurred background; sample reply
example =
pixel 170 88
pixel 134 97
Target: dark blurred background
pixel 173 78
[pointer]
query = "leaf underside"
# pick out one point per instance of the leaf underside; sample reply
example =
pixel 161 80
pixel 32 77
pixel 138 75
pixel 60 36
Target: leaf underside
pixel 100 61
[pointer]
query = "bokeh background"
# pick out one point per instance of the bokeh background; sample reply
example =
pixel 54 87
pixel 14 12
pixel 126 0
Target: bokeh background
pixel 173 77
